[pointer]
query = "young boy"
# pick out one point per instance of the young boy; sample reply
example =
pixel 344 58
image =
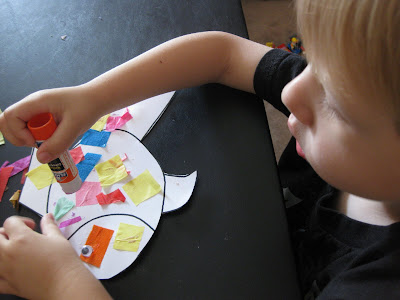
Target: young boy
pixel 344 111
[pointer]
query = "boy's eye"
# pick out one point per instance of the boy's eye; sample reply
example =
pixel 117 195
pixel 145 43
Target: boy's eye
pixel 331 111
pixel 330 108
pixel 334 113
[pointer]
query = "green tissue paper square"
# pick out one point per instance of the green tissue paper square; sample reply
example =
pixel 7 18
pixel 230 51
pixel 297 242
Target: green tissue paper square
pixel 62 207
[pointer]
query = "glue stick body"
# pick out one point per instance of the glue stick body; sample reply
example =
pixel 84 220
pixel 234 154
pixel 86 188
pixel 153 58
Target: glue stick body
pixel 42 127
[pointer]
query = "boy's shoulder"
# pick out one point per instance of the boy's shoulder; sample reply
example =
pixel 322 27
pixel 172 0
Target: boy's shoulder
pixel 343 258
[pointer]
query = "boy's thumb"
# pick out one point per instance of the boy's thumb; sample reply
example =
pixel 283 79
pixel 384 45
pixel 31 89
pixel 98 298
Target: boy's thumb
pixel 49 226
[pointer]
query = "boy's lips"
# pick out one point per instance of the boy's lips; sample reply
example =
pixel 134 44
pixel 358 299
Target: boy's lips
pixel 299 150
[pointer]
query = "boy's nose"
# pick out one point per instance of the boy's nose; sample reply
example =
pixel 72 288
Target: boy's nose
pixel 297 97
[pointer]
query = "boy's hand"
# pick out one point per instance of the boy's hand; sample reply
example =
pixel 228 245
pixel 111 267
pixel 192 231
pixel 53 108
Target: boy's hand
pixel 43 266
pixel 71 108
pixel 31 263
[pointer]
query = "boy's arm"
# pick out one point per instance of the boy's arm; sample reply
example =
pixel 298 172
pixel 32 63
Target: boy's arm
pixel 186 61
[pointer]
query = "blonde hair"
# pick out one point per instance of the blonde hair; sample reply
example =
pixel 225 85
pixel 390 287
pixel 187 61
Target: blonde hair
pixel 357 42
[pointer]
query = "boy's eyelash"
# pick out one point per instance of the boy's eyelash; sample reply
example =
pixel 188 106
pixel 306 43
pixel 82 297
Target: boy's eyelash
pixel 332 113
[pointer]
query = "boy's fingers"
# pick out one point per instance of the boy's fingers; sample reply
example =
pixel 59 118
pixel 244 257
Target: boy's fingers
pixel 2 231
pixel 3 238
pixel 25 138
pixel 14 121
pixel 64 136
pixel 29 222
pixel 15 225
pixel 49 226
pixel 16 132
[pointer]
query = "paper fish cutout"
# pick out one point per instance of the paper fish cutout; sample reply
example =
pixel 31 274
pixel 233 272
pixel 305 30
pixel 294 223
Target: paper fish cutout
pixel 126 142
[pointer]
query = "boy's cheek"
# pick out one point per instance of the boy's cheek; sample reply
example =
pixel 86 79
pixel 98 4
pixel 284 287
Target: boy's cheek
pixel 326 160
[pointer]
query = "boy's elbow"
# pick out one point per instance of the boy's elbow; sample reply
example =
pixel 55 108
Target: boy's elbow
pixel 224 47
pixel 239 61
pixel 214 53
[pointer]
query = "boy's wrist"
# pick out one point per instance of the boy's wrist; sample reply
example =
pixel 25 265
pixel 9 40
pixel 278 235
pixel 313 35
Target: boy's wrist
pixel 75 282
pixel 94 100
pixel 99 102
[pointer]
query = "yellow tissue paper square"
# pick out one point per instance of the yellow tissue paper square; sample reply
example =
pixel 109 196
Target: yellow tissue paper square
pixel 41 176
pixel 99 125
pixel 128 237
pixel 111 171
pixel 142 187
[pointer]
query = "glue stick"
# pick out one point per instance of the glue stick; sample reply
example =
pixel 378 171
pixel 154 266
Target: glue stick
pixel 42 127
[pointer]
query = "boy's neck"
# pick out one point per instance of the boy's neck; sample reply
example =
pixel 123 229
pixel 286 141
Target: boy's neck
pixel 368 211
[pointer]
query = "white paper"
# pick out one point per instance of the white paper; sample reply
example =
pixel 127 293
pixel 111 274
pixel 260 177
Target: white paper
pixel 178 189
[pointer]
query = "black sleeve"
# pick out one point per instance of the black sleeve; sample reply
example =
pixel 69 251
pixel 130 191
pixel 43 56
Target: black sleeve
pixel 273 72
pixel 378 279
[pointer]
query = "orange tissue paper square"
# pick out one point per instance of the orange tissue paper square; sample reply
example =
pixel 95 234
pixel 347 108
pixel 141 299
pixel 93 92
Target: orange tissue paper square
pixel 98 239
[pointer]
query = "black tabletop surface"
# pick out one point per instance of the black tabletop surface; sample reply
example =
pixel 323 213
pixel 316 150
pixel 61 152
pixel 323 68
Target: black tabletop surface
pixel 230 241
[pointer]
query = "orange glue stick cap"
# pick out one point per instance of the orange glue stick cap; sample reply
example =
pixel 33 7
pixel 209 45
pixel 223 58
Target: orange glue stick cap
pixel 42 126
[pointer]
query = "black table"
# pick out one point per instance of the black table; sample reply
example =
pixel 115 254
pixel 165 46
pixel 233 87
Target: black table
pixel 230 241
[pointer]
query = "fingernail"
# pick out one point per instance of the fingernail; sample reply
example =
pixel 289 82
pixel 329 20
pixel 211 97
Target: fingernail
pixel 51 216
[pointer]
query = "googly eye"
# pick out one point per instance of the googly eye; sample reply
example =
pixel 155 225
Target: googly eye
pixel 87 250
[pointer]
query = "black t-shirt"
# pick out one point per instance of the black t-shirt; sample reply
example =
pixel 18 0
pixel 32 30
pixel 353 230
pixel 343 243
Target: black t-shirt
pixel 337 257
